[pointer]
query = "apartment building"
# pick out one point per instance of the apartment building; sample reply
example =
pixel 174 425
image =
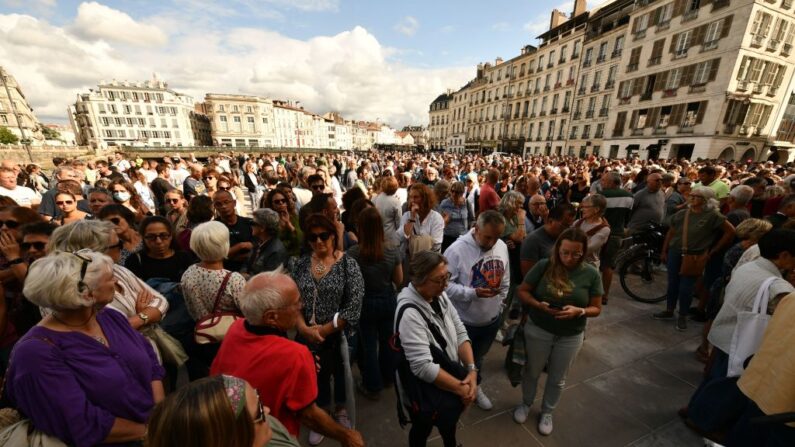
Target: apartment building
pixel 702 78
pixel 488 104
pixel 133 114
pixel 240 120
pixel 457 136
pixel 439 121
pixel 16 114
pixel 604 44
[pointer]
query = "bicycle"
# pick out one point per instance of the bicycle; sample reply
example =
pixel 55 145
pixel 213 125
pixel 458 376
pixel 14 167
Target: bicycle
pixel 642 273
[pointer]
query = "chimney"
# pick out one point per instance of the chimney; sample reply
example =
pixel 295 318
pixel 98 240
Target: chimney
pixel 579 7
pixel 556 19
pixel 497 61
pixel 480 71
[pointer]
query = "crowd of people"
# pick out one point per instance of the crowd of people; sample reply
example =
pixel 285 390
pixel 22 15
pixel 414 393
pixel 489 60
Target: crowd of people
pixel 231 301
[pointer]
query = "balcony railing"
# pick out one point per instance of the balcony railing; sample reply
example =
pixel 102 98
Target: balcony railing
pixel 697 88
pixel 743 85
pixel 786 49
pixel 546 88
pixel 603 111
pixel 711 45
pixel 573 134
pixel 550 65
pixel 610 84
pixel 562 60
pixel 594 88
pixel 772 45
pixel 586 63
pixel 599 134
pixel 589 113
pixel 757 40
pixel 678 54
pixel 616 53
pixel 718 4
pixel 662 26
pixel 669 92
pixel 690 15
pixel 577 115
pixel 565 110
pixel 581 91
pixel 660 130
pixel 586 135
pixel 542 113
pixel 553 112
pixel 632 67
pixel 639 35
pixel 537 91
pixel 646 96
pixel 601 58
pixel 558 85
pixel 569 82
pixel 636 132
pixel 655 60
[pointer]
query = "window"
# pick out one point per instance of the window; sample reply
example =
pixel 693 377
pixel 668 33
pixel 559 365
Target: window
pixel 602 52
pixel 250 120
pixel 656 52
pixel 713 32
pixel 626 89
pixel 756 70
pixel 576 51
pixel 664 14
pixel 702 72
pixel 691 115
pixel 621 122
pixel 674 76
pixel 761 24
pixel 611 76
pixel 634 59
pixel 619 46
pixel 588 56
pixel 641 23
pixel 682 43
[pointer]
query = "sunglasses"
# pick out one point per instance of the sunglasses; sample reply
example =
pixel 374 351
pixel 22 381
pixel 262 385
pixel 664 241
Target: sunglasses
pixel 209 178
pixel 313 237
pixel 172 200
pixel 37 245
pixel 10 224
pixel 279 201
pixel 224 188
pixel 154 237
pixel 64 202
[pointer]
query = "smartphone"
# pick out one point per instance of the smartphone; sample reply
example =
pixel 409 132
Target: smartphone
pixel 556 306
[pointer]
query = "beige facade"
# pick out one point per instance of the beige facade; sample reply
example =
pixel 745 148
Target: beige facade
pixel 703 79
pixel 240 120
pixel 438 127
pixel 15 113
pixel 119 114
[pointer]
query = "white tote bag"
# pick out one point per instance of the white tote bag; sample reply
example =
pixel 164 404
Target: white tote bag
pixel 749 330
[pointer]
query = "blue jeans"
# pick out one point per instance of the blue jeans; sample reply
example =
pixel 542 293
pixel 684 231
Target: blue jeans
pixel 375 329
pixel 558 353
pixel 680 288
pixel 482 337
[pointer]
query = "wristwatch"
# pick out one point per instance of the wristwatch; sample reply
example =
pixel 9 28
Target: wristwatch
pixel 471 367
pixel 144 317
pixel 16 261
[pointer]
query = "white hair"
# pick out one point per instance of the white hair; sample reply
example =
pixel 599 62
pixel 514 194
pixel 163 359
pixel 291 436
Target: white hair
pixel 94 235
pixel 54 280
pixel 254 303
pixel 742 194
pixel 210 241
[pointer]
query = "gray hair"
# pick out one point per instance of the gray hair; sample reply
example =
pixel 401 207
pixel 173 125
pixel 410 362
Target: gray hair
pixel 598 201
pixel 614 178
pixel 54 281
pixel 93 235
pixel 267 219
pixel 423 263
pixel 254 303
pixel 742 194
pixel 490 217
pixel 210 241
pixel 508 202
pixel 709 196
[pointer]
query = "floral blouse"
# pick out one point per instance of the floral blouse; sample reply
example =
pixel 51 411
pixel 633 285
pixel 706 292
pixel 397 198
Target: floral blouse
pixel 200 287
pixel 335 292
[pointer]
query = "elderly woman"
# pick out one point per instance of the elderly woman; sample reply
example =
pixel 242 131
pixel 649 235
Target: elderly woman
pixel 268 253
pixel 124 224
pixel 83 375
pixel 290 232
pixel 421 220
pixel 332 288
pixel 207 282
pixel 677 201
pixel 458 214
pixel 595 227
pixel 708 232
pixel 562 292
pixel 420 304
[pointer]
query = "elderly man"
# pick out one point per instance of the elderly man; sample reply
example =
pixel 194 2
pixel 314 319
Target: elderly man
pixel 23 195
pixel 648 204
pixel 254 346
pixel 479 280
pixel 537 211
pixel 193 185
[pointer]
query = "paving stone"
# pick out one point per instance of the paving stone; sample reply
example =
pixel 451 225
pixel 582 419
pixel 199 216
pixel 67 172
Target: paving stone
pixel 680 361
pixel 673 434
pixel 496 431
pixel 617 345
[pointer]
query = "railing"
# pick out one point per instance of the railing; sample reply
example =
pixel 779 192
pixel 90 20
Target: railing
pixel 616 53
pixel 711 45
pixel 636 132
pixel 577 115
pixel 609 85
pixel 581 91
pixel 589 113
pixel 690 15
pixel 757 40
pixel 553 112
pixel 639 35
pixel 586 63
pixel 680 53
pixel 662 26
pixel 669 92
pixel 646 96
pixel 697 88
pixel 632 67
pixel 594 88
pixel 603 112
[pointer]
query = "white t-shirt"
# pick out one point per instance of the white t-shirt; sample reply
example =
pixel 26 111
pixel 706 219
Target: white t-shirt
pixel 23 195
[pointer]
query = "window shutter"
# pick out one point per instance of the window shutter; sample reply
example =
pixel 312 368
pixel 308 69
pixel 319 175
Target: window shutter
pixel 674 39
pixel 654 17
pixel 657 49
pixel 654 116
pixel 697 38
pixel 679 8
pixel 662 79
pixel 620 89
pixel 637 86
pixel 726 26
pixel 713 69
pixel 687 75
pixel 621 119
pixel 633 120
pixel 676 114
pixel 730 108
pixel 635 25
pixel 702 109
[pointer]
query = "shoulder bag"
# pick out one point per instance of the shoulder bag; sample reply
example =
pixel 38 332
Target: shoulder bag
pixel 692 265
pixel 213 327
pixel 749 331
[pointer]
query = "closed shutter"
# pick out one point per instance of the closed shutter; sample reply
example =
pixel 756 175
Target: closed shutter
pixel 702 109
pixel 687 75
pixel 635 25
pixel 633 120
pixel 697 37
pixel 657 50
pixel 634 57
pixel 654 17
pixel 637 86
pixel 726 27
pixel 621 120
pixel 713 69
pixel 676 114
pixel 654 116
pixel 662 79
pixel 679 8
pixel 674 39
pixel 730 110
pixel 620 89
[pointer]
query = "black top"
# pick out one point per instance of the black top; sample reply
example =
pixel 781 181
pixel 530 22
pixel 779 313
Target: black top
pixel 239 232
pixel 266 257
pixel 160 187
pixel 172 268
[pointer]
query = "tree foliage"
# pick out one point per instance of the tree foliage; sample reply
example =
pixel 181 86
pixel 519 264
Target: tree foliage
pixel 50 134
pixel 6 137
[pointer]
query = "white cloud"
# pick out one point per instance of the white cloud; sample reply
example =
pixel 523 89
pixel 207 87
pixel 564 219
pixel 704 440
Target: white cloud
pixel 308 5
pixel 501 26
pixel 39 6
pixel 408 25
pixel 99 22
pixel 350 72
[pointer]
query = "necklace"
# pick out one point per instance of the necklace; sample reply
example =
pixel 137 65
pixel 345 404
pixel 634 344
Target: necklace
pixel 320 267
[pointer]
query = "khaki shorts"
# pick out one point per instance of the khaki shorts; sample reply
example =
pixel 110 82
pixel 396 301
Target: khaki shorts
pixel 610 252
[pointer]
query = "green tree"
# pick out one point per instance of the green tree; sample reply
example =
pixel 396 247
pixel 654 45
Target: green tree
pixel 50 134
pixel 6 137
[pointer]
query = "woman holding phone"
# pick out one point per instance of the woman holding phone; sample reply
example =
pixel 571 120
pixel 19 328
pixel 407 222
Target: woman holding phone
pixel 561 292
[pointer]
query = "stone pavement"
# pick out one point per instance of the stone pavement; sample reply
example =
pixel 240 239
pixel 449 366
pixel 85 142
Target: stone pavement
pixel 624 388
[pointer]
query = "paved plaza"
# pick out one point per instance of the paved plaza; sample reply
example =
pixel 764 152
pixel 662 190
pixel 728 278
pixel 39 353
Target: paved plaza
pixel 629 379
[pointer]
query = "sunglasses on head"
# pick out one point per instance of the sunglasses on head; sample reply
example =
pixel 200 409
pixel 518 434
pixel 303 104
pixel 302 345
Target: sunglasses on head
pixel 37 245
pixel 10 224
pixel 313 237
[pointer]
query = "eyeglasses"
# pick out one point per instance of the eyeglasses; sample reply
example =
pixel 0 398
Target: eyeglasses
pixel 118 246
pixel 209 178
pixel 10 224
pixel 443 280
pixel 37 245
pixel 115 220
pixel 153 237
pixel 64 202
pixel 313 237
pixel 260 417
pixel 279 201
pixel 571 254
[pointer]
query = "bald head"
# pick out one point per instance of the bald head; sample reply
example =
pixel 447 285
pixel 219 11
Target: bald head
pixel 654 182
pixel 266 293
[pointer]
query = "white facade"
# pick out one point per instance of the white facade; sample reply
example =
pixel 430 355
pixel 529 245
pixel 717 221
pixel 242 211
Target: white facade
pixel 240 120
pixel 120 114
pixel 15 113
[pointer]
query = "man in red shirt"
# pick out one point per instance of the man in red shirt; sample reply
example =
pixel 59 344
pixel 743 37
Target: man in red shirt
pixel 489 199
pixel 258 351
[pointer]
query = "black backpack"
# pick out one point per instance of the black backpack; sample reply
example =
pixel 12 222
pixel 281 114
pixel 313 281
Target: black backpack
pixel 423 397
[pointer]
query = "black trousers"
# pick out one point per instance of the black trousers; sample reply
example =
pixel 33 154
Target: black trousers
pixel 422 425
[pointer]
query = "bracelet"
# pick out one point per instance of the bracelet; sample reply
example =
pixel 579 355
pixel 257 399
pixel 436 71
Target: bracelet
pixel 583 312
pixel 16 261
pixel 412 220
pixel 334 321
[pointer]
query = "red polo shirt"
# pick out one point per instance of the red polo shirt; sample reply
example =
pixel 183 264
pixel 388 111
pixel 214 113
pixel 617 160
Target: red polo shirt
pixel 281 370
pixel 489 199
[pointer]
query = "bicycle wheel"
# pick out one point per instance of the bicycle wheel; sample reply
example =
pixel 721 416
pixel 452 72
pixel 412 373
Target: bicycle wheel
pixel 644 277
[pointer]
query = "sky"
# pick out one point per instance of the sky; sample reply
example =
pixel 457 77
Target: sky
pixel 371 60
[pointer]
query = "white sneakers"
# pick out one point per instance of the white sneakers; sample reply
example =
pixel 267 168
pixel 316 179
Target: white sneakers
pixel 520 413
pixel 315 438
pixel 544 421
pixel 341 416
pixel 545 424
pixel 482 400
